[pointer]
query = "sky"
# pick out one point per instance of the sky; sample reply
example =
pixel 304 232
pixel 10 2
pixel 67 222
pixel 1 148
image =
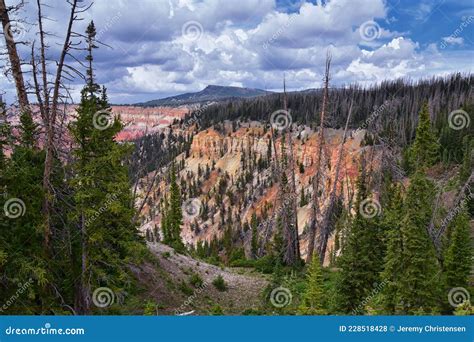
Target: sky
pixel 157 48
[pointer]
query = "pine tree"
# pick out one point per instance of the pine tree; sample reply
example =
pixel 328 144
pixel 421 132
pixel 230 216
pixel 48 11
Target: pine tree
pixel 419 269
pixel 28 130
pixel 254 242
pixel 391 273
pixel 303 199
pixel 5 134
pixel 102 195
pixel 468 158
pixel 457 263
pixel 22 255
pixel 361 259
pixel 425 150
pixel 175 214
pixel 313 297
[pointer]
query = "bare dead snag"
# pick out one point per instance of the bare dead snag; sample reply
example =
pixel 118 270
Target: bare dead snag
pixel 51 120
pixel 317 178
pixel 328 215
pixel 13 57
pixel 292 254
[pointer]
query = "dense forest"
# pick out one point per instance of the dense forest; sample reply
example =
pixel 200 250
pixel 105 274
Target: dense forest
pixel 75 200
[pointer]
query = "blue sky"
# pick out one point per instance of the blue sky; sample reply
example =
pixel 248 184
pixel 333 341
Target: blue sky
pixel 160 48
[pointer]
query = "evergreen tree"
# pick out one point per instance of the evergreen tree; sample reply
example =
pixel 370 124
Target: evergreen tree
pixel 254 242
pixel 312 301
pixel 419 269
pixel 22 258
pixel 28 130
pixel 102 195
pixel 425 149
pixel 458 256
pixel 362 256
pixel 391 273
pixel 303 199
pixel 468 158
pixel 175 214
pixel 5 134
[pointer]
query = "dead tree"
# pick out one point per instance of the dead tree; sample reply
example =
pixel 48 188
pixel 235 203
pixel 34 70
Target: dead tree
pixel 51 108
pixel 315 212
pixel 292 252
pixel 13 57
pixel 328 220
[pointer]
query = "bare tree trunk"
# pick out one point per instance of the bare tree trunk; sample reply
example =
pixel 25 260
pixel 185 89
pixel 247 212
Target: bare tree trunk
pixel 50 128
pixel 292 254
pixel 327 222
pixel 316 181
pixel 13 57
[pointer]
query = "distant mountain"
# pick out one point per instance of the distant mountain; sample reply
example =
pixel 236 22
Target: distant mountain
pixel 210 93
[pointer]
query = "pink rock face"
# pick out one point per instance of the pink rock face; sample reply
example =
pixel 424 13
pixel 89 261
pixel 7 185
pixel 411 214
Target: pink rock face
pixel 137 121
pixel 226 151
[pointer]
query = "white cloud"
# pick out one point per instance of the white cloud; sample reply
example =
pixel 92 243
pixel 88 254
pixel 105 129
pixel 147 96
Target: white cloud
pixel 453 40
pixel 251 44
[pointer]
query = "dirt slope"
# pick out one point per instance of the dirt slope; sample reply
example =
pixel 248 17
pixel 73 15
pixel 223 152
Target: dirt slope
pixel 164 285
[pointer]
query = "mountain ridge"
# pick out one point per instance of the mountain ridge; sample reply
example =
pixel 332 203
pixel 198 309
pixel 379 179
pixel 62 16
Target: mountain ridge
pixel 210 93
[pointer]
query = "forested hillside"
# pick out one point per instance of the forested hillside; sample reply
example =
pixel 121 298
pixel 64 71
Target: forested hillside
pixel 335 201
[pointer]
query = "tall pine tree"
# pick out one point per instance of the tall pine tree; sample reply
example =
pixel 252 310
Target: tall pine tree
pixel 419 269
pixel 103 210
pixel 313 297
pixel 425 150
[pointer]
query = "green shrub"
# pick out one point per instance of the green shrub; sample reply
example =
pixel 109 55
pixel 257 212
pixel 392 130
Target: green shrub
pixel 220 283
pixel 196 280
pixel 185 288
pixel 216 310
